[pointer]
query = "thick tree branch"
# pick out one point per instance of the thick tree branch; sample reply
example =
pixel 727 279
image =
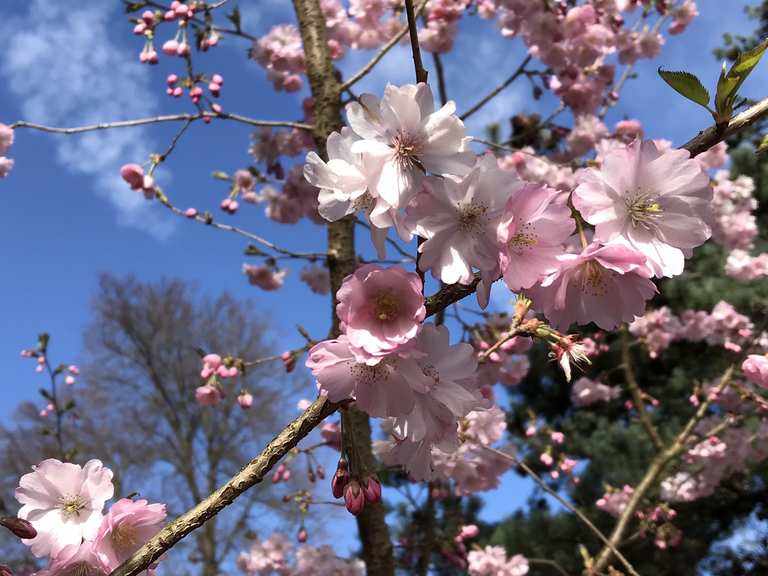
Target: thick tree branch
pixel 715 134
pixel 360 74
pixel 493 93
pixel 159 120
pixel 251 474
pixel 449 294
pixel 652 475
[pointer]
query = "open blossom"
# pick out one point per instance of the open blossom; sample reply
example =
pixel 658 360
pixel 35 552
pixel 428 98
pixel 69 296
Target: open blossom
pixel 208 395
pixel 317 278
pixel 658 202
pixel 343 183
pixel 380 309
pixel 81 559
pixel 268 556
pixel 605 284
pixel 126 527
pixel 265 277
pixel 585 392
pixel 380 390
pixel 63 502
pixel 6 165
pixel 6 140
pixel 755 369
pixel 405 136
pixel 492 561
pixel 533 229
pixel 460 220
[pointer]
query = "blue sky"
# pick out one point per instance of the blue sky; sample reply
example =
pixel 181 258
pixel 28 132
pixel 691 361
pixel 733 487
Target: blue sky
pixel 67 216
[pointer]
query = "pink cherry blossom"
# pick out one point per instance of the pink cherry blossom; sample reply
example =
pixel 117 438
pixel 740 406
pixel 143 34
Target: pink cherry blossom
pixel 658 202
pixel 755 369
pixel 586 391
pixel 63 502
pixel 492 561
pixel 126 527
pixel 380 309
pixel 208 395
pixel 683 15
pixel 460 220
pixel 605 284
pixel 268 556
pixel 265 277
pixel 245 400
pixel 533 229
pixel 404 135
pixel 317 278
pixel 380 390
pixel 6 138
pixel 84 559
pixel 6 165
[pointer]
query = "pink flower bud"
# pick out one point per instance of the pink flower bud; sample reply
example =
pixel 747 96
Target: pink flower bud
pixel 469 531
pixel 178 91
pixel 286 475
pixel 216 107
pixel 74 370
pixel 134 175
pixel 530 431
pixel 276 477
pixel 190 213
pixel 170 47
pixel 39 369
pixel 70 380
pixel 139 28
pixel 196 92
pixel 172 79
pixel 182 10
pixel 183 49
pixel 214 88
pixel 21 528
pixel 218 79
pixel 148 17
pixel 302 535
pixel 43 413
pixel 546 459
pixel 557 437
pixel 245 400
pixel 320 472
pixel 372 490
pixel 289 360
pixel 340 479
pixel 292 83
pixel 354 498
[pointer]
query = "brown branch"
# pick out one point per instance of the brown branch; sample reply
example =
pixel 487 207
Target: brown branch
pixel 652 475
pixel 717 133
pixel 360 74
pixel 413 33
pixel 493 93
pixel 160 119
pixel 442 90
pixel 637 393
pixel 422 568
pixel 449 294
pixel 595 530
pixel 250 475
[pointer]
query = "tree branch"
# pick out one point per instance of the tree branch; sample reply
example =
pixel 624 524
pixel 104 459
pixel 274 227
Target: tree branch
pixel 637 393
pixel 715 134
pixel 161 119
pixel 652 474
pixel 595 530
pixel 493 93
pixel 360 74
pixel 413 33
pixel 251 474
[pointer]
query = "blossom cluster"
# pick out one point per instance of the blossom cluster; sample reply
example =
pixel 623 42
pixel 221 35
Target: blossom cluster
pixel 276 555
pixel 64 503
pixel 724 326
pixel 6 140
pixel 493 561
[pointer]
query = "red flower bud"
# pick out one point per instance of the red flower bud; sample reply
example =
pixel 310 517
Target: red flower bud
pixel 302 535
pixel 354 498
pixel 372 490
pixel 339 481
pixel 21 528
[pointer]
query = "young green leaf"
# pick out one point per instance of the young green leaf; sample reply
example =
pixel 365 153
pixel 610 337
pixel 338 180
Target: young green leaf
pixel 688 85
pixel 730 81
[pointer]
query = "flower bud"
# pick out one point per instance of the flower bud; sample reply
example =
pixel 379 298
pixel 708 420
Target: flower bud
pixel 302 535
pixel 320 472
pixel 289 360
pixel 245 400
pixel 372 490
pixel 354 498
pixel 340 479
pixel 20 527
pixel 5 571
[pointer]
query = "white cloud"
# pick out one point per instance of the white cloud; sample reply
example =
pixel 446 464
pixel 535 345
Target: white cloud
pixel 66 70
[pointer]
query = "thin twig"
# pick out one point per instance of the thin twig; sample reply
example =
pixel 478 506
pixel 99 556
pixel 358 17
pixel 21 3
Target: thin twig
pixel 251 474
pixel 413 33
pixel 546 562
pixel 492 94
pixel 360 74
pixel 595 530
pixel 442 90
pixel 158 120
pixel 637 393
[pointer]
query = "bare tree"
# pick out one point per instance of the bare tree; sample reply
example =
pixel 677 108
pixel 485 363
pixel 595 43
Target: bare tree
pixel 136 408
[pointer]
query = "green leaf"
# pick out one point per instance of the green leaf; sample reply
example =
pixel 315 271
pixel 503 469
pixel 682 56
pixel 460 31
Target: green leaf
pixel 688 85
pixel 729 82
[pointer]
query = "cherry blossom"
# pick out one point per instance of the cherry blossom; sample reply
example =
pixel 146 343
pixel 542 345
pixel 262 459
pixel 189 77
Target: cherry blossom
pixel 586 391
pixel 317 278
pixel 460 219
pixel 605 284
pixel 492 561
pixel 6 141
pixel 405 136
pixel 63 502
pixel 658 202
pixel 533 229
pixel 81 559
pixel 265 277
pixel 126 527
pixel 755 369
pixel 380 310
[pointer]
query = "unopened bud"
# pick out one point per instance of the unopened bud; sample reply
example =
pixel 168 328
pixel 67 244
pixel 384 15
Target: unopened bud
pixel 372 490
pixel 302 535
pixel 354 498
pixel 339 480
pixel 5 571
pixel 20 527
pixel 320 472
